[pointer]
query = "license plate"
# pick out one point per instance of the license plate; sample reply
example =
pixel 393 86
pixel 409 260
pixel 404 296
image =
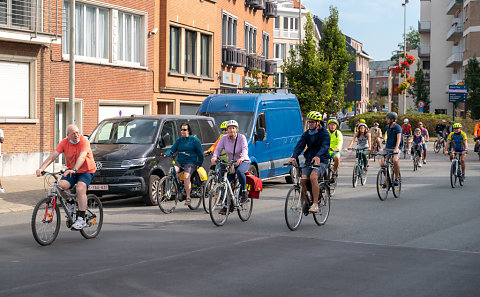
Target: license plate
pixel 98 187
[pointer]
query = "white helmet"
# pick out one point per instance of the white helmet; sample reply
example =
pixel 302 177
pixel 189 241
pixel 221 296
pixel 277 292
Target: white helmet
pixel 232 123
pixel 405 120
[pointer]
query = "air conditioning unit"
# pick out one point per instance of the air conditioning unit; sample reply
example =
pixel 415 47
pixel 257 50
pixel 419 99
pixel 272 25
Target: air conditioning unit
pixel 270 10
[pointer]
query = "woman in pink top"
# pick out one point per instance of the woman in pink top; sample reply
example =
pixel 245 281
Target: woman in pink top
pixel 236 148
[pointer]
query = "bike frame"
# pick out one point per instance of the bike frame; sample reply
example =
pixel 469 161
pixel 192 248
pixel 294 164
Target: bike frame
pixel 228 188
pixel 55 193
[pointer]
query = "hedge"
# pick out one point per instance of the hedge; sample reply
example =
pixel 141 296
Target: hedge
pixel 429 121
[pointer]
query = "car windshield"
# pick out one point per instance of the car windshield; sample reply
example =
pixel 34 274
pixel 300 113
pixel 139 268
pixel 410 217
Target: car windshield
pixel 244 119
pixel 136 131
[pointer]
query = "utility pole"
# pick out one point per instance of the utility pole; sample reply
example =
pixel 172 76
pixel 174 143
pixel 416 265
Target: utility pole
pixel 71 80
pixel 299 21
pixel 405 52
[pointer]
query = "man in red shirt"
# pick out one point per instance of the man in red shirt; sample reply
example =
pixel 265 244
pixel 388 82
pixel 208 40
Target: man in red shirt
pixel 80 169
pixel 407 134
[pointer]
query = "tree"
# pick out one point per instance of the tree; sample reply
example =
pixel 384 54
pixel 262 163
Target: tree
pixel 333 47
pixel 255 82
pixel 413 41
pixel 419 91
pixel 383 92
pixel 472 80
pixel 308 73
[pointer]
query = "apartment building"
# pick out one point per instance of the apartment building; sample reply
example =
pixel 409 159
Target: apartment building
pixel 113 71
pixel 286 33
pixel 449 36
pixel 379 78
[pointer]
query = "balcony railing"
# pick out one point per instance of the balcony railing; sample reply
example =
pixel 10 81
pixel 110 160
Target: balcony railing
pixel 424 51
pixel 229 56
pixel 253 62
pixel 453 6
pixel 454 60
pixel 256 4
pixel 270 10
pixel 455 32
pixel 270 67
pixel 424 26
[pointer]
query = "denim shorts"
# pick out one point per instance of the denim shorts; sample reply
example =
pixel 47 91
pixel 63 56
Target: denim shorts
pixel 188 167
pixel 320 170
pixel 79 177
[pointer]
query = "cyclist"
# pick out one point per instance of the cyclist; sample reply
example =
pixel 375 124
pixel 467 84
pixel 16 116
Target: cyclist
pixel 394 142
pixel 361 121
pixel 440 130
pixel 458 141
pixel 426 137
pixel 407 133
pixel 476 133
pixel 448 129
pixel 364 141
pixel 190 145
pixel 376 134
pixel 317 140
pixel 336 143
pixel 224 129
pixel 418 142
pixel 80 169
pixel 236 148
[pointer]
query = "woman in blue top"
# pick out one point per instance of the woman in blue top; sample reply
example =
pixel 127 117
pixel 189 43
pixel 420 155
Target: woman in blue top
pixel 417 145
pixel 190 145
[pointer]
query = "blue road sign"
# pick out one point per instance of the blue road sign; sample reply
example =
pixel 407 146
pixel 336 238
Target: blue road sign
pixel 457 93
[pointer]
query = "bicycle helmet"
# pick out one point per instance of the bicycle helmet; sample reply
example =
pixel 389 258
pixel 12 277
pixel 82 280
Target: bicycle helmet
pixel 224 125
pixel 232 123
pixel 362 124
pixel 405 121
pixel 457 125
pixel 314 115
pixel 362 121
pixel 376 124
pixel 417 130
pixel 332 121
pixel 392 115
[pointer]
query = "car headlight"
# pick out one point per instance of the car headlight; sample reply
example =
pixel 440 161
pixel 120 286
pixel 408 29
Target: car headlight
pixel 134 163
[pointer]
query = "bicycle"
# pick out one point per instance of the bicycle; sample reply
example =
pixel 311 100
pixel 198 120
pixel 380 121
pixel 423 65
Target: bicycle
pixel 226 194
pixel 385 178
pixel 416 157
pixel 456 170
pixel 213 179
pixel 405 145
pixel 332 184
pixel 375 150
pixel 439 145
pixel 171 189
pixel 359 169
pixel 299 201
pixel 46 214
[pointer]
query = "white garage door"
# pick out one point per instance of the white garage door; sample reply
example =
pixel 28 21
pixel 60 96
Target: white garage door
pixel 14 89
pixel 110 111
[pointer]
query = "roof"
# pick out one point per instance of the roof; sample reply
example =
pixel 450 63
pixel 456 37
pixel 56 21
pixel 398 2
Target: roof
pixel 381 65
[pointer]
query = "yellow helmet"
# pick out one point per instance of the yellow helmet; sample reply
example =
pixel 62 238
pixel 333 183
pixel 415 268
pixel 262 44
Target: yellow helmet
pixel 224 125
pixel 314 115
pixel 457 125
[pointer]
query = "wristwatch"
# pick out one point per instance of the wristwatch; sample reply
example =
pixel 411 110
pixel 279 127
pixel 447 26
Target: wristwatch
pixel 75 170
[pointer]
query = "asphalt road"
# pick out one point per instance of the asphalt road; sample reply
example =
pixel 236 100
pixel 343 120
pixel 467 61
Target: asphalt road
pixel 425 243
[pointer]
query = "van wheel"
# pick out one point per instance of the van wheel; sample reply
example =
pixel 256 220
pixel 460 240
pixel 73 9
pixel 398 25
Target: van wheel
pixel 290 177
pixel 253 170
pixel 151 197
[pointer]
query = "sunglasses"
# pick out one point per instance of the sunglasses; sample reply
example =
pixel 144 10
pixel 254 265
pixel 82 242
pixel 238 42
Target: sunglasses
pixel 184 129
pixel 311 122
pixel 224 129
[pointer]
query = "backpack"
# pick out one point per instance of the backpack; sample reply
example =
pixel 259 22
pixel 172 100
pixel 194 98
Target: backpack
pixel 254 185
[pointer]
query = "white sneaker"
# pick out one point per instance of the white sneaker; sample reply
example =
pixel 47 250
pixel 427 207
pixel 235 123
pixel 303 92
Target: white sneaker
pixel 411 157
pixel 2 190
pixel 79 224
pixel 419 164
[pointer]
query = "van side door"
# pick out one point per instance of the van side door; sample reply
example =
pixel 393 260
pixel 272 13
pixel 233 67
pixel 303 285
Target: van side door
pixel 261 146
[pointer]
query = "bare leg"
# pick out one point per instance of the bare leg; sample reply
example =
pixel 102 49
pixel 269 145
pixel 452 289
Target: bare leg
pixel 187 183
pixel 336 163
pixel 315 186
pixel 396 166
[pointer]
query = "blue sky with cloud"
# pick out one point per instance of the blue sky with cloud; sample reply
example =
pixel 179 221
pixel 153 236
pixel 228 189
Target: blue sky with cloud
pixel 378 24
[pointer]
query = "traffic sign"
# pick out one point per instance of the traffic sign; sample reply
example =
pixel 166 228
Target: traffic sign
pixel 457 93
pixel 421 104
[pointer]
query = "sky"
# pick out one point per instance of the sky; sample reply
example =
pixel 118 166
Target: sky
pixel 378 24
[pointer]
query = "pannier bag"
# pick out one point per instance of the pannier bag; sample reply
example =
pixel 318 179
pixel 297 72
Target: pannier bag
pixel 254 185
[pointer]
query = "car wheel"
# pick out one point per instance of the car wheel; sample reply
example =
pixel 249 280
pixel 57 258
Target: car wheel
pixel 253 170
pixel 151 197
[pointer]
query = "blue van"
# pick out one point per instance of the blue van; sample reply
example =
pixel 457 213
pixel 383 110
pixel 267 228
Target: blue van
pixel 271 122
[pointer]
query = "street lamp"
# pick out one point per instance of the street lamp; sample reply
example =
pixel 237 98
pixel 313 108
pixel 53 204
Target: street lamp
pixel 404 4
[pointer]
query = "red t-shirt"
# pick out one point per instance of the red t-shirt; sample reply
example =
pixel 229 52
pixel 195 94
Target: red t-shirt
pixel 406 128
pixel 72 152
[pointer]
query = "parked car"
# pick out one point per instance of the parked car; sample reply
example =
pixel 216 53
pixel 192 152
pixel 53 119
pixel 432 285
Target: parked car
pixel 340 117
pixel 272 124
pixel 127 152
pixel 349 115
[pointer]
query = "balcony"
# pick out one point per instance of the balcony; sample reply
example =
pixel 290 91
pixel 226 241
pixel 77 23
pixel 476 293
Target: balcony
pixel 270 67
pixel 270 10
pixel 454 6
pixel 27 21
pixel 255 4
pixel 253 62
pixel 455 32
pixel 456 78
pixel 455 60
pixel 423 26
pixel 230 56
pixel 424 51
pixel 426 76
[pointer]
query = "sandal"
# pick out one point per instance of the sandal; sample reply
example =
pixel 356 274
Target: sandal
pixel 188 201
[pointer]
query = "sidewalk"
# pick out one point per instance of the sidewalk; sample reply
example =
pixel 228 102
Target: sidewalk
pixel 21 193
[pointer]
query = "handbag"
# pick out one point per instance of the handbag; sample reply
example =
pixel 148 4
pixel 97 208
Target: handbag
pixel 231 167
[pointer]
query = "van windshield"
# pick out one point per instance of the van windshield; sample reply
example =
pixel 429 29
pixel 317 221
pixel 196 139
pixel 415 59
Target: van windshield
pixel 244 119
pixel 135 131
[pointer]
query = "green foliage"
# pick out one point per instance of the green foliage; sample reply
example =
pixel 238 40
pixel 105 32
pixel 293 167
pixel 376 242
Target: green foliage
pixel 419 91
pixel 429 121
pixel 413 39
pixel 256 84
pixel 383 92
pixel 335 53
pixel 308 74
pixel 472 80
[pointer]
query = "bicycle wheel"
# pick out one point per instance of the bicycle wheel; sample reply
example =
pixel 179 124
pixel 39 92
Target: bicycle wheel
pixel 167 194
pixel 196 199
pixel 459 174
pixel 453 174
pixel 404 151
pixel 294 205
pixel 245 210
pixel 321 216
pixel 217 201
pixel 382 184
pixel 93 216
pixel 206 192
pixel 355 175
pixel 45 221
pixel 363 176
pixel 415 163
pixel 397 189
pixel 436 146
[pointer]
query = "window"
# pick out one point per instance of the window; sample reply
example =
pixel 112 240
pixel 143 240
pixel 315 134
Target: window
pixel 16 83
pixel 279 51
pixel 426 65
pixel 285 23
pixel 265 45
pixel 377 84
pixel 250 38
pixel 279 80
pixel 174 49
pixel 385 84
pixel 277 23
pixel 206 127
pixel 129 37
pixel 92 31
pixel 229 30
pixel 169 134
pixel 16 13
pixel 205 55
pixel 190 46
pixel 261 123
